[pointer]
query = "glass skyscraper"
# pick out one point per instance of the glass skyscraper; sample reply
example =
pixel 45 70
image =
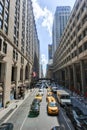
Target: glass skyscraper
pixel 61 17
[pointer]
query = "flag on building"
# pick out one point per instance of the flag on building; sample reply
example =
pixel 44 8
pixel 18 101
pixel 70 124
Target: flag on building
pixel 34 74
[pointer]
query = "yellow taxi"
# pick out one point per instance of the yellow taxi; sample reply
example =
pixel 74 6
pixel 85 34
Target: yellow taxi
pixel 52 108
pixel 39 97
pixel 49 94
pixel 50 98
pixel 49 89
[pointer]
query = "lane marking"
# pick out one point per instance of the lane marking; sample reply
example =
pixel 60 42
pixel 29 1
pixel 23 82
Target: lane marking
pixel 65 120
pixel 23 122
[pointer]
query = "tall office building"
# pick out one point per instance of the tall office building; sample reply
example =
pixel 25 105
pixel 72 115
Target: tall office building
pixel 18 38
pixel 61 16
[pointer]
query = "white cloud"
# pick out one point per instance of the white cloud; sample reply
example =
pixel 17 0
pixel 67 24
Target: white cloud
pixel 44 14
pixel 44 63
pixel 43 59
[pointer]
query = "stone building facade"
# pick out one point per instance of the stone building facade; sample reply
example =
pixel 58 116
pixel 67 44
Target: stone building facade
pixel 17 47
pixel 70 58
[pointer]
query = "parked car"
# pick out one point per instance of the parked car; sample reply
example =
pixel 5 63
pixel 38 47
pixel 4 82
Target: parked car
pixel 77 117
pixel 58 128
pixel 85 124
pixel 6 126
pixel 52 108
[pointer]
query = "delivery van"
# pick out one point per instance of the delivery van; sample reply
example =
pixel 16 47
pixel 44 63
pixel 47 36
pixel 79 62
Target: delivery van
pixel 63 97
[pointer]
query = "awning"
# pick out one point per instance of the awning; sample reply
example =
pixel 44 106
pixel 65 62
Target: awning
pixel 1 89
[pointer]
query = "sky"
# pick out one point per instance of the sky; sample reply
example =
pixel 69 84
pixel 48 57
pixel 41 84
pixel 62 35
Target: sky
pixel 44 11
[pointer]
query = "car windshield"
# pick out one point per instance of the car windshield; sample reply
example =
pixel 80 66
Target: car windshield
pixel 52 104
pixel 65 97
pixel 40 90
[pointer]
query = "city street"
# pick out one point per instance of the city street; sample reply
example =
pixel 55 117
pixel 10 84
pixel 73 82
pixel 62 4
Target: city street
pixel 21 120
pixel 43 46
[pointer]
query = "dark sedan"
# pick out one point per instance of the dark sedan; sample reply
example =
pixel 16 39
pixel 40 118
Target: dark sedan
pixel 6 126
pixel 58 128
pixel 34 109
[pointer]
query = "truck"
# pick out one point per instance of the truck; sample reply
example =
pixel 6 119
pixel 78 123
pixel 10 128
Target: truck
pixel 63 98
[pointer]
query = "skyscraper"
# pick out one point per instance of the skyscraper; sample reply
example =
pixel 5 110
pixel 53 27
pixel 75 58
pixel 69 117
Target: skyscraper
pixel 61 16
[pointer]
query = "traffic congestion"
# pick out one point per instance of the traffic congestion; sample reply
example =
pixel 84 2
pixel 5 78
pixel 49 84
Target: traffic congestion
pixel 49 106
pixel 58 98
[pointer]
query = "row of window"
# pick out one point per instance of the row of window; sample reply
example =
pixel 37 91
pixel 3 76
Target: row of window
pixel 23 26
pixel 79 38
pixel 71 27
pixel 16 22
pixel 75 53
pixel 15 55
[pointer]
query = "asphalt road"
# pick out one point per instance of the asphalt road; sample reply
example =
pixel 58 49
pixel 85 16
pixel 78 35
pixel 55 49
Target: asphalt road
pixel 21 120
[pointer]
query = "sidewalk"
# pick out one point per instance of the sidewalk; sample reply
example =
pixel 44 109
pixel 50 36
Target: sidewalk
pixel 6 112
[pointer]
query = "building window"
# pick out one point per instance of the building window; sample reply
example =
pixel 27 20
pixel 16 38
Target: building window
pixel 17 43
pixel 4 47
pixel 1 23
pixel 16 56
pixel 22 60
pixel 13 74
pixel 15 31
pixel 75 53
pixel 80 38
pixel 14 39
pixel 84 19
pixel 79 26
pixel 85 45
pixel 0 44
pixel 6 29
pixel 1 9
pixel 7 4
pixel 15 20
pixel 85 32
pixel 6 17
pixel 13 54
pixel 74 44
pixel 78 16
pixel 80 49
pixel 17 34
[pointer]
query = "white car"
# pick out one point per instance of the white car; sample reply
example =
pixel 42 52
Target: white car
pixel 41 91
